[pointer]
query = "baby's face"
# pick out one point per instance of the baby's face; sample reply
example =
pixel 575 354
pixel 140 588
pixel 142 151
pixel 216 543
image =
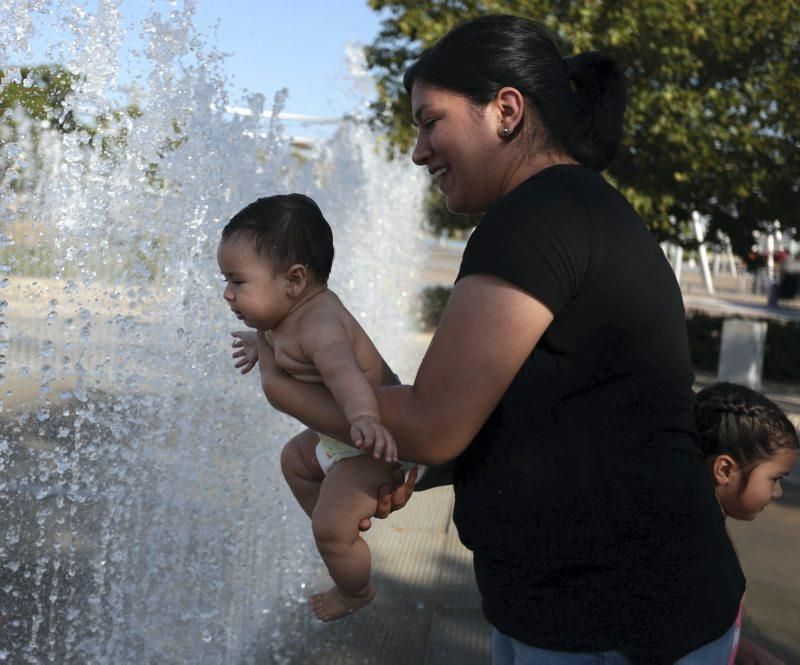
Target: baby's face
pixel 763 485
pixel 255 295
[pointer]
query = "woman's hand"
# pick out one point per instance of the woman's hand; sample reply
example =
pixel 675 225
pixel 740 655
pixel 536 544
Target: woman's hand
pixel 394 498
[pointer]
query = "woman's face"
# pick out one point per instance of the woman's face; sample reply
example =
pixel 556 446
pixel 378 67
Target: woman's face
pixel 460 143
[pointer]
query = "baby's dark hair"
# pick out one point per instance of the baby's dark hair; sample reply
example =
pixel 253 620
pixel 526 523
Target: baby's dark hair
pixel 738 421
pixel 286 229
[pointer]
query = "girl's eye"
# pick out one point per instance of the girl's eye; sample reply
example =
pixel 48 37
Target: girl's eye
pixel 427 124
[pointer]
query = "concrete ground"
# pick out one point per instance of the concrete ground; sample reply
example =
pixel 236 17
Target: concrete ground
pixel 426 611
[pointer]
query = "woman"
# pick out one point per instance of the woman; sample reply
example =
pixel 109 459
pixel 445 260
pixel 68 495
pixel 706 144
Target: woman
pixel 559 377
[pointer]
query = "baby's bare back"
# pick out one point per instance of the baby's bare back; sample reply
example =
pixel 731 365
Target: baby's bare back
pixel 304 329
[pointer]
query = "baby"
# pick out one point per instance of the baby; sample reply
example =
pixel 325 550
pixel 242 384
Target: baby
pixel 276 255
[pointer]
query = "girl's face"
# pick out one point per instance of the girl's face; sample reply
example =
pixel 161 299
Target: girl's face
pixel 461 145
pixel 763 485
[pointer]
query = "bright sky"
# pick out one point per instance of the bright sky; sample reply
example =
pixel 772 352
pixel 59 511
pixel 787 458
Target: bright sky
pixel 297 44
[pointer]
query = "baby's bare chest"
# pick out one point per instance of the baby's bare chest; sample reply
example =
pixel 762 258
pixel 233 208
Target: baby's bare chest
pixel 290 357
pixel 296 360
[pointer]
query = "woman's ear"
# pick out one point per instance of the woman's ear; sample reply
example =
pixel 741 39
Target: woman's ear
pixel 296 277
pixel 510 104
pixel 723 469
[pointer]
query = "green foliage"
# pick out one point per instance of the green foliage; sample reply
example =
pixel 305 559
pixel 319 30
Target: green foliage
pixel 705 335
pixel 40 92
pixel 781 351
pixel 432 302
pixel 713 120
pixel 440 219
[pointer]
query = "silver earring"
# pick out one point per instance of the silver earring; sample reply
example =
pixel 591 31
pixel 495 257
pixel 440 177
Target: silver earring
pixel 505 131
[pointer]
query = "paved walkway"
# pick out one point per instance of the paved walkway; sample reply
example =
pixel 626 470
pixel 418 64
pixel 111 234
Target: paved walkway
pixel 426 611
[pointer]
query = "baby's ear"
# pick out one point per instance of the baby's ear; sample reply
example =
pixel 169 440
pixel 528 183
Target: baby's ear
pixel 296 279
pixel 722 468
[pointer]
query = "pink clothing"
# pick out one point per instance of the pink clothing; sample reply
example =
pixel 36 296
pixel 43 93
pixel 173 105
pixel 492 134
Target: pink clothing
pixel 737 632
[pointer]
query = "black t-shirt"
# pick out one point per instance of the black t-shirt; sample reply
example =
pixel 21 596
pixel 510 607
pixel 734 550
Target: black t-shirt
pixel 584 497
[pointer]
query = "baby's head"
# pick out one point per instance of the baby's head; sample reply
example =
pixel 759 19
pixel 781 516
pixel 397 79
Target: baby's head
pixel 283 230
pixel 749 445
pixel 271 252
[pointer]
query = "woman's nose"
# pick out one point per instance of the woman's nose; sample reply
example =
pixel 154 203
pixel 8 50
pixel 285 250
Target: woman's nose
pixel 421 151
pixel 777 492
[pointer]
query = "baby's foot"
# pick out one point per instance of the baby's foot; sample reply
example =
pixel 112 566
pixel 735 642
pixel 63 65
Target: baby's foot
pixel 333 604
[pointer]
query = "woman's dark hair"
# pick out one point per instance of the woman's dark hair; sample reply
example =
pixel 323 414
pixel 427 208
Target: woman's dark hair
pixel 286 229
pixel 580 101
pixel 738 421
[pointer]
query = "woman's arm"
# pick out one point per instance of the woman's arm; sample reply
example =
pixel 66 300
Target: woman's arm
pixel 488 329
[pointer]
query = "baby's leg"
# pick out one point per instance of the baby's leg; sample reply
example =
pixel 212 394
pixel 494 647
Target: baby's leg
pixel 347 496
pixel 301 469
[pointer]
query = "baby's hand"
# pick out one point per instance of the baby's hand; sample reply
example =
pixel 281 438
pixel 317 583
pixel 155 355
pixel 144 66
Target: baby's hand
pixel 367 433
pixel 246 347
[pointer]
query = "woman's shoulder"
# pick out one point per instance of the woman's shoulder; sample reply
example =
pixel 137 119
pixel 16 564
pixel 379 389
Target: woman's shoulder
pixel 556 197
pixel 570 195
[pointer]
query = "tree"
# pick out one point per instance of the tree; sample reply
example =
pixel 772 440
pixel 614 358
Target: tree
pixel 713 97
pixel 41 94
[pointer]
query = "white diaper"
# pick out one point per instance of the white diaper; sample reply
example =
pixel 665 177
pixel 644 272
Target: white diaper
pixel 329 451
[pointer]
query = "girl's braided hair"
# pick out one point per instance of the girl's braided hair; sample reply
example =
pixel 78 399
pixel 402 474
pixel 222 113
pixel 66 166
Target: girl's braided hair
pixel 737 421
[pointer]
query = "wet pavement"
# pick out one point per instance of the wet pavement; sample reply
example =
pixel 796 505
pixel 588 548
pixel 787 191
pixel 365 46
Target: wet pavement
pixel 426 611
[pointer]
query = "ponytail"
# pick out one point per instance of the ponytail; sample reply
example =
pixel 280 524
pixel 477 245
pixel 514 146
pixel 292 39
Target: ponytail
pixel 600 93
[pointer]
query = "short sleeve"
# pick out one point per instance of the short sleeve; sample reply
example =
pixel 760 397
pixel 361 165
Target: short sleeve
pixel 539 237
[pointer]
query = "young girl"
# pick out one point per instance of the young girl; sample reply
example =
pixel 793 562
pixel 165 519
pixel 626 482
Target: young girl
pixel 749 445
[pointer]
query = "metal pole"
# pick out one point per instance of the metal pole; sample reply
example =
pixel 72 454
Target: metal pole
pixel 698 231
pixel 731 259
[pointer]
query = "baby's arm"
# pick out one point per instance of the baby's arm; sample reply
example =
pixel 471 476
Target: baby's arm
pixel 328 346
pixel 246 347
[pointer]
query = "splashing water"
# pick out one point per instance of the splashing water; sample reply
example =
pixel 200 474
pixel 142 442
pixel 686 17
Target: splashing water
pixel 144 516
